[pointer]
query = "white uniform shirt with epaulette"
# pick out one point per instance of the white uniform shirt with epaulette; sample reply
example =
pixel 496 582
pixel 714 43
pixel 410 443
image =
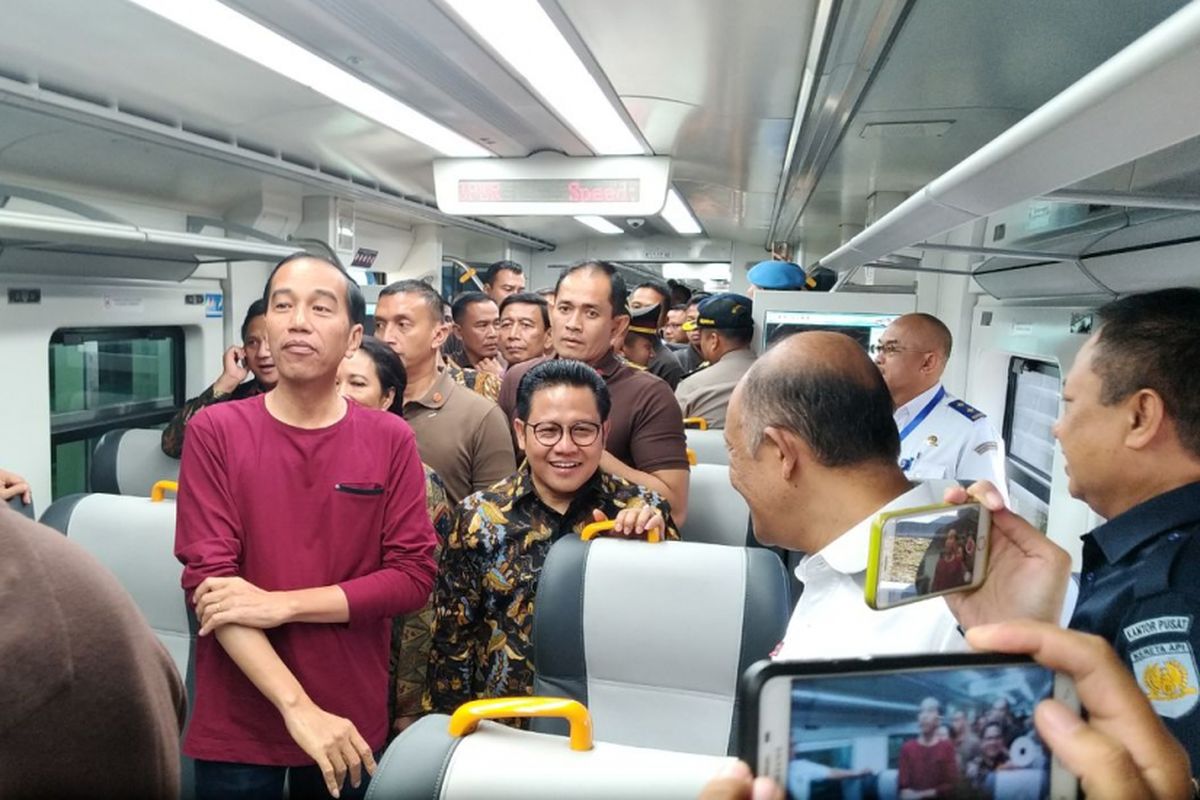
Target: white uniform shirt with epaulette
pixel 951 440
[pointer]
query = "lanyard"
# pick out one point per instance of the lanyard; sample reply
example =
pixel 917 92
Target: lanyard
pixel 923 413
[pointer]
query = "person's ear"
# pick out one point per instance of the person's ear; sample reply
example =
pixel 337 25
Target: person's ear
pixel 388 398
pixel 620 325
pixel 519 433
pixel 441 332
pixel 786 450
pixel 356 334
pixel 1145 415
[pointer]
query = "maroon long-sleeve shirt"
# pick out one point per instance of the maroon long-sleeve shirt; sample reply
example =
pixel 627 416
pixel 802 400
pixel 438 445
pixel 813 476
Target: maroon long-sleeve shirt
pixel 290 508
pixel 928 767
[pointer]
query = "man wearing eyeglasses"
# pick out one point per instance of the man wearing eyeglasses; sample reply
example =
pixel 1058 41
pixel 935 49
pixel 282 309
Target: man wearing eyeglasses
pixel 940 435
pixel 485 593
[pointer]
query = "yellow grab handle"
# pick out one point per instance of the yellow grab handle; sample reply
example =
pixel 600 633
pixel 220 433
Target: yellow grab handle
pixel 700 423
pixel 691 454
pixel 466 718
pixel 466 276
pixel 161 488
pixel 654 536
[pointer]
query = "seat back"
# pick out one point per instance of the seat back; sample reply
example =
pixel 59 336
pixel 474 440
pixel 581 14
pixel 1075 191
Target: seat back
pixel 717 514
pixel 708 445
pixel 18 505
pixel 130 461
pixel 654 638
pixel 501 763
pixel 135 539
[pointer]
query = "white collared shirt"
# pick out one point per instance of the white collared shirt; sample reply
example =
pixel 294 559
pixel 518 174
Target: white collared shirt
pixel 953 441
pixel 832 620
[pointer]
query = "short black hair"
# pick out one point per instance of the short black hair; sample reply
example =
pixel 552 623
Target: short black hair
pixel 697 298
pixel 489 274
pixel 356 304
pixel 680 294
pixel 738 336
pixel 1152 341
pixel 680 307
pixel 437 306
pixel 618 294
pixel 464 301
pixel 562 372
pixel 545 291
pixel 664 297
pixel 844 419
pixel 389 369
pixel 257 309
pixel 528 298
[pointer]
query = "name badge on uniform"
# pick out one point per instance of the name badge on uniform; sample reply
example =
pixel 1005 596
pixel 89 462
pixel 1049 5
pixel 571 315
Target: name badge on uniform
pixel 932 441
pixel 1167 674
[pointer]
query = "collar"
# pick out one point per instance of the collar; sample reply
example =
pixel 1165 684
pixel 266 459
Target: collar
pixel 608 366
pixel 522 486
pixel 1126 532
pixel 438 393
pixel 913 407
pixel 848 553
pixel 741 354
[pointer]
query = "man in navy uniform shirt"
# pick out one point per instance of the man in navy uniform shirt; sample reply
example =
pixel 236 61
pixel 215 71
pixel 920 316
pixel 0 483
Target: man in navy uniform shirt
pixel 1130 433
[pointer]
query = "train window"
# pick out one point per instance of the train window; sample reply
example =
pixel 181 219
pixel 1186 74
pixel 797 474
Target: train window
pixel 107 378
pixel 1031 407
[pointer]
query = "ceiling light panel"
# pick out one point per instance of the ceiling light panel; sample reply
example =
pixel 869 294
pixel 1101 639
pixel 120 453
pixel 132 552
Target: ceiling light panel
pixel 599 225
pixel 522 34
pixel 678 216
pixel 234 31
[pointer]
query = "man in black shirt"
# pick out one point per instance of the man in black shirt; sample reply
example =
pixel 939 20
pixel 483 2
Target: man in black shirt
pixel 1130 433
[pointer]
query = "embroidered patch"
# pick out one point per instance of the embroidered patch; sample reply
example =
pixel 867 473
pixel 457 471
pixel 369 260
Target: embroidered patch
pixel 1157 625
pixel 970 412
pixel 1167 675
pixel 986 447
pixel 932 441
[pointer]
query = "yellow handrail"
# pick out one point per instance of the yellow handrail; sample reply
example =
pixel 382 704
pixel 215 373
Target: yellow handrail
pixel 699 423
pixel 161 488
pixel 466 718
pixel 591 531
pixel 692 460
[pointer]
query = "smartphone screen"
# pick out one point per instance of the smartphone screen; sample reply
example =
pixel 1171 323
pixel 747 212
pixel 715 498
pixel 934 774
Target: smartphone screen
pixel 930 553
pixel 958 732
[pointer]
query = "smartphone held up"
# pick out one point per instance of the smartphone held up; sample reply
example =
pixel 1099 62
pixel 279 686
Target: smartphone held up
pixel 924 552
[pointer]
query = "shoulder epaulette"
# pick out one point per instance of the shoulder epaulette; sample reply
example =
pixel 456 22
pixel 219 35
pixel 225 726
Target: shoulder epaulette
pixel 968 411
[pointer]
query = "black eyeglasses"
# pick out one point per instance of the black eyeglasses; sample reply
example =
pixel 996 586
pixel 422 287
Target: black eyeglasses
pixel 548 434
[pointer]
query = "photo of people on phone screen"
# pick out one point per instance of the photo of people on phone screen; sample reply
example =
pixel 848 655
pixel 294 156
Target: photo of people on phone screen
pixel 945 733
pixel 931 553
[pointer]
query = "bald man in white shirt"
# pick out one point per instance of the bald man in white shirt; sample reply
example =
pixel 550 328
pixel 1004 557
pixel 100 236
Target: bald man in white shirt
pixel 940 435
pixel 813 449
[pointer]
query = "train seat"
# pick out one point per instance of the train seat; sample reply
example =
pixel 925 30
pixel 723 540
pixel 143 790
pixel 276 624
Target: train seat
pixel 654 638
pixel 709 446
pixel 135 539
pixel 427 762
pixel 130 461
pixel 18 506
pixel 717 514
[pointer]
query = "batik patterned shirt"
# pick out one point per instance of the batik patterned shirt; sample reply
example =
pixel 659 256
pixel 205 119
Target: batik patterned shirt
pixel 411 633
pixel 488 577
pixel 173 434
pixel 484 384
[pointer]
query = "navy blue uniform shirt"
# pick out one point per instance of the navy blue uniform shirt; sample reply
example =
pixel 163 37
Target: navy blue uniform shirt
pixel 1140 590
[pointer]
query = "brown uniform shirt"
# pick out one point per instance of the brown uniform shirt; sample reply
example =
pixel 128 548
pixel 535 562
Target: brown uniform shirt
pixel 646 428
pixel 90 702
pixel 462 436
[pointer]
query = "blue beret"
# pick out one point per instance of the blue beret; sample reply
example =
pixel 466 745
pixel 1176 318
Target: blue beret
pixel 777 275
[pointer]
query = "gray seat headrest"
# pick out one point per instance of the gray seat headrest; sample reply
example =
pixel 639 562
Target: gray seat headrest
pixel 130 461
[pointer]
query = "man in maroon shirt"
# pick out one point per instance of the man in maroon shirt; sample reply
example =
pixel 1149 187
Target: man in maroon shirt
pixel 928 764
pixel 302 528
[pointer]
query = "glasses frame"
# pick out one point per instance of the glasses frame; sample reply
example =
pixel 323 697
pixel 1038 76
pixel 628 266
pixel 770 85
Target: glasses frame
pixel 889 350
pixel 535 426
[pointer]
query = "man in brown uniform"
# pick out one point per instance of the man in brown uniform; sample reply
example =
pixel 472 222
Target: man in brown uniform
pixel 462 436
pixel 646 444
pixel 90 703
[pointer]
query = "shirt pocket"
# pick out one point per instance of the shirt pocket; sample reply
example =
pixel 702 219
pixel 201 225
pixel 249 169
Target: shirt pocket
pixel 357 511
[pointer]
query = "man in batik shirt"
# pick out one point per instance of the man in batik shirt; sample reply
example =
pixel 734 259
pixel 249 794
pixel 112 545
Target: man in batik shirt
pixel 488 576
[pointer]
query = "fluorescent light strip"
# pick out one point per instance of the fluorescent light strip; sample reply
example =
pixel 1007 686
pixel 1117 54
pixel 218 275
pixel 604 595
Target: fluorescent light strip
pixel 232 30
pixel 523 34
pixel 599 224
pixel 677 215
